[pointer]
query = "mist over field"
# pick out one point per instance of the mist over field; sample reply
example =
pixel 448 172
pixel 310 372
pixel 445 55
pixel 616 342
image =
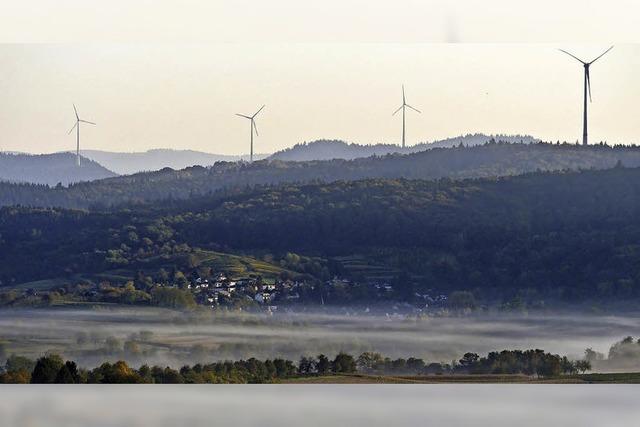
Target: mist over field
pixel 167 337
pixel 307 405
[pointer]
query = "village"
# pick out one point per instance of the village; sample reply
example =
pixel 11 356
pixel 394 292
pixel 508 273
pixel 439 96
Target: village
pixel 224 290
pixel 269 294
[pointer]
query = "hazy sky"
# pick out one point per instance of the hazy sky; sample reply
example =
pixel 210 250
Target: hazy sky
pixel 186 95
pixel 320 21
pixel 167 73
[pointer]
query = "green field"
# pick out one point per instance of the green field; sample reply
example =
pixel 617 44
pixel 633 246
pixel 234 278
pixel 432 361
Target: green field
pixel 616 378
pixel 238 266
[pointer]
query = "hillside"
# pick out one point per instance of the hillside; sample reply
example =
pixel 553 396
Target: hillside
pixel 336 149
pixel 560 236
pixel 49 169
pixel 489 160
pixel 152 160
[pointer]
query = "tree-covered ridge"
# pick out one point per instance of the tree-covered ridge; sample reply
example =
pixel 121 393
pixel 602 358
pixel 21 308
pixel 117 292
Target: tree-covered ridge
pixel 49 169
pixel 489 160
pixel 328 149
pixel 561 235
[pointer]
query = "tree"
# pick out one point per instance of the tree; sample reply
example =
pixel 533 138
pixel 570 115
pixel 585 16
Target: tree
pixel 307 365
pixel 284 368
pixel 415 365
pixel 324 365
pixel 68 374
pixel 145 374
pixel 118 373
pixel 343 364
pixel 567 366
pixel 369 361
pixel 583 366
pixel 172 298
pixel 46 369
pixel 171 376
pixel 19 363
pixel 469 360
pixel 550 366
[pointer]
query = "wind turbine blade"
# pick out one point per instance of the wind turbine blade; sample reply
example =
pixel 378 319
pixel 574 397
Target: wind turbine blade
pixel 403 98
pixel 257 112
pixel 76 111
pixel 242 115
pixel 414 109
pixel 588 83
pixel 253 122
pixel 400 108
pixel 71 130
pixel 84 121
pixel 572 55
pixel 603 54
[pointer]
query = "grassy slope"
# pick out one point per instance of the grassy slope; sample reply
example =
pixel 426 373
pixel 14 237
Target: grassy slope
pixel 237 266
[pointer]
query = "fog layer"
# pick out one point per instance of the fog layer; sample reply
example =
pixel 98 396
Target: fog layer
pixel 169 337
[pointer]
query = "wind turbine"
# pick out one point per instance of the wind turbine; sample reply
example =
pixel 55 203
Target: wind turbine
pixel 587 88
pixel 403 108
pixel 76 126
pixel 253 128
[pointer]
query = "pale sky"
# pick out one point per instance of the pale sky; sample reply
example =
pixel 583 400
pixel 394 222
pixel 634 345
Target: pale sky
pixel 522 21
pixel 168 74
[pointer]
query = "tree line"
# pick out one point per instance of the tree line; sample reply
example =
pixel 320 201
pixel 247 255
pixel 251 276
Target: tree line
pixel 53 369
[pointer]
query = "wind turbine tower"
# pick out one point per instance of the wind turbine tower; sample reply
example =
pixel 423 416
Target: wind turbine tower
pixel 587 88
pixel 253 128
pixel 403 108
pixel 76 126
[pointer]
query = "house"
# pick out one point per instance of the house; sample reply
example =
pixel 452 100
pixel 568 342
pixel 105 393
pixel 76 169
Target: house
pixel 219 292
pixel 263 297
pixel 230 286
pixel 268 287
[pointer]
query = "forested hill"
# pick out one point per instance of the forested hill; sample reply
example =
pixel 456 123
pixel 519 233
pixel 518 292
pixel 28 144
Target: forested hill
pixel 49 169
pixel 337 149
pixel 489 160
pixel 572 235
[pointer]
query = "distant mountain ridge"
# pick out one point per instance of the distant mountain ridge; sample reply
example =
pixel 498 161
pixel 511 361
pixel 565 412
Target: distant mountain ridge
pixel 49 169
pixel 129 163
pixel 487 160
pixel 326 149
